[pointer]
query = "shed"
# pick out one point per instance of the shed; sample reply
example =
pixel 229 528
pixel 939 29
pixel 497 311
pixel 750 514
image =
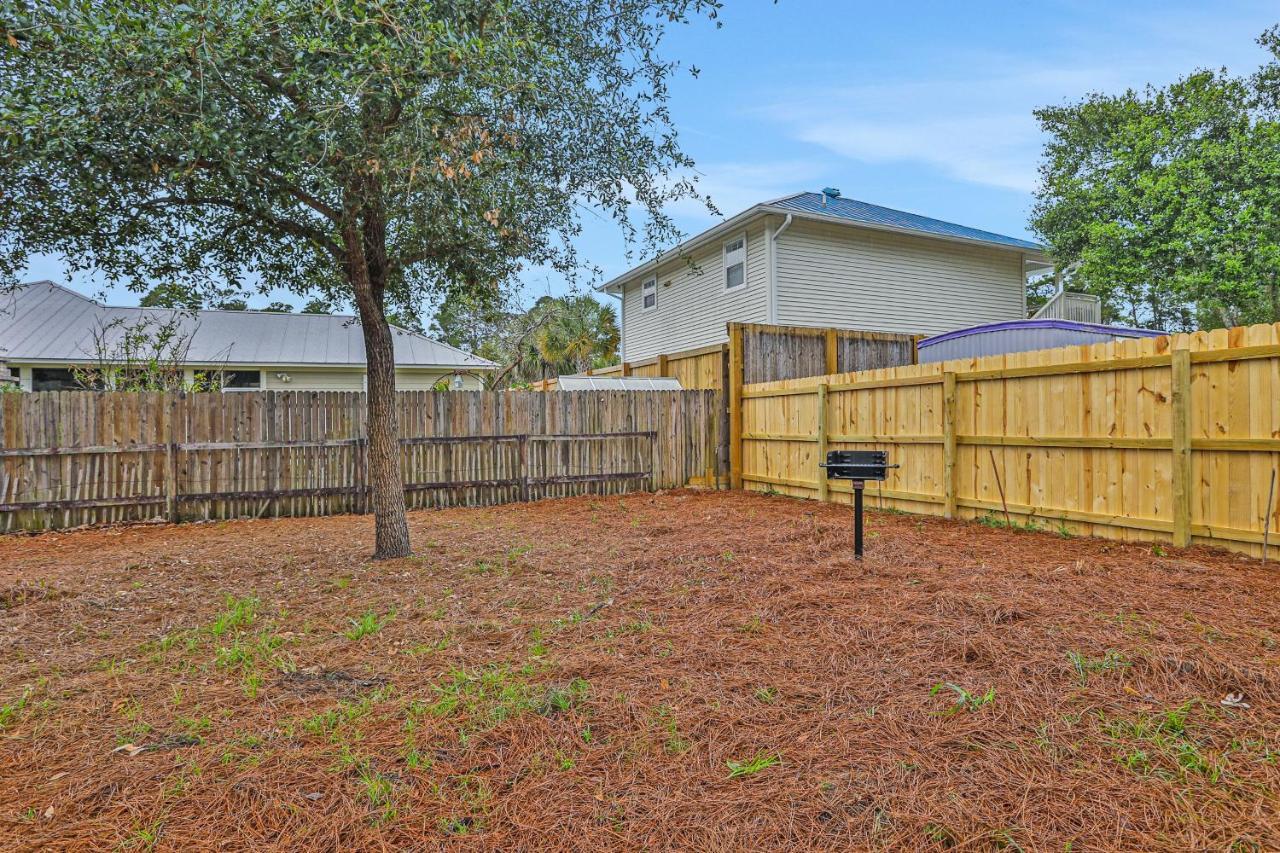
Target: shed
pixel 1022 336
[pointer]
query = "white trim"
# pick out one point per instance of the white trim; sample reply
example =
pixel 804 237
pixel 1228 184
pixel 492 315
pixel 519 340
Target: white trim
pixel 622 325
pixel 724 268
pixel 771 272
pixel 645 285
pixel 1022 282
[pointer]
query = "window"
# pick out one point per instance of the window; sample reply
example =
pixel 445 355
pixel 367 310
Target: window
pixel 735 263
pixel 241 379
pixel 54 379
pixel 649 294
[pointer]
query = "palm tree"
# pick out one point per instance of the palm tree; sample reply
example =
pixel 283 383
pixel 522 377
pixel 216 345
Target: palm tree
pixel 580 333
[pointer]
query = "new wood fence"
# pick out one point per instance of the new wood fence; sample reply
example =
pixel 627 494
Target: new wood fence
pixel 81 457
pixel 1172 439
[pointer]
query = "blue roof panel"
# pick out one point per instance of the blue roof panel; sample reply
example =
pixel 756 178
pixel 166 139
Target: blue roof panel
pixel 873 214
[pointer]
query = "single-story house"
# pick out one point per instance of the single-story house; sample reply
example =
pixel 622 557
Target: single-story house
pixel 819 259
pixel 47 331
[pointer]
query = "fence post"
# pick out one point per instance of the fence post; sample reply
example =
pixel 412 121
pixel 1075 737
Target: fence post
pixel 949 442
pixel 1181 439
pixel 662 364
pixel 735 405
pixel 523 446
pixel 823 487
pixel 832 353
pixel 626 368
pixel 171 463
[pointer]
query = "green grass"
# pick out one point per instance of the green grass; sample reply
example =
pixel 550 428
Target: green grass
pixel 10 712
pixel 486 696
pixel 367 624
pixel 1162 745
pixel 379 791
pixel 239 614
pixel 751 766
pixel 1085 667
pixel 964 700
pixel 997 521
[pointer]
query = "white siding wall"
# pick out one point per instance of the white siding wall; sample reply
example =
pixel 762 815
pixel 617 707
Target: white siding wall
pixel 693 311
pixel 312 380
pixel 860 279
pixel 353 380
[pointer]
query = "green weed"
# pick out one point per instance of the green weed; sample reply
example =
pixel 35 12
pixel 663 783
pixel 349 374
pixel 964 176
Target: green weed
pixel 10 712
pixel 487 696
pixel 239 614
pixel 997 521
pixel 367 624
pixel 964 700
pixel 751 766
pixel 1161 745
pixel 1084 667
pixel 379 791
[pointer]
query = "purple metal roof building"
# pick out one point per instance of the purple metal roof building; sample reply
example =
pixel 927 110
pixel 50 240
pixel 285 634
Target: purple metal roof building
pixel 1022 336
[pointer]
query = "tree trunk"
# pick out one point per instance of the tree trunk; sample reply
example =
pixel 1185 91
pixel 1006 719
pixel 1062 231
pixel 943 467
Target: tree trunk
pixel 386 481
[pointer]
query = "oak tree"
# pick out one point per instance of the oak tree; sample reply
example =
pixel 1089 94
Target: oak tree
pixel 370 152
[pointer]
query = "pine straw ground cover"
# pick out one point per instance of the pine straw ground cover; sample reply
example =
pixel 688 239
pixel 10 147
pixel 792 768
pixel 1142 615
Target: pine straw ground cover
pixel 693 670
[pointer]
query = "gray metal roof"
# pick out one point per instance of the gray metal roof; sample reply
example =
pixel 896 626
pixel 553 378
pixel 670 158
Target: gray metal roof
pixel 1021 336
pixel 873 214
pixel 44 321
pixel 618 383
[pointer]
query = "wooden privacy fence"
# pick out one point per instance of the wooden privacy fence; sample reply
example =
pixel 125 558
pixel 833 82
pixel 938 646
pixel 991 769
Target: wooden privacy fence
pixel 769 353
pixel 80 457
pixel 1173 438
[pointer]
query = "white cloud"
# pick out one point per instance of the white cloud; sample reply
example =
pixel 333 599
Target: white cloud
pixel 968 114
pixel 735 186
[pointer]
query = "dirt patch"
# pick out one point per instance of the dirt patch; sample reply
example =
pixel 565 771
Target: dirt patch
pixel 686 670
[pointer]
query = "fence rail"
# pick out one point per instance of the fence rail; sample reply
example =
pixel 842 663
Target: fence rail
pixel 70 458
pixel 1172 438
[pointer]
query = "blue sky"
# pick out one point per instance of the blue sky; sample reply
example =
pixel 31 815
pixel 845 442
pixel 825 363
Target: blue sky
pixel 922 106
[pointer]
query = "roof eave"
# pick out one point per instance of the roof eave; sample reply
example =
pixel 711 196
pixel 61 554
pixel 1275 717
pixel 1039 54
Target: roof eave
pixel 1037 254
pixel 615 284
pixel 770 208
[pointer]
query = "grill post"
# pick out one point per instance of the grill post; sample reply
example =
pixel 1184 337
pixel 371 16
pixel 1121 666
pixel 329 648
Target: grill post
pixel 857 518
pixel 856 466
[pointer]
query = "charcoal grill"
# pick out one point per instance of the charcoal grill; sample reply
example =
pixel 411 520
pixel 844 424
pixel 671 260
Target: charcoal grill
pixel 857 466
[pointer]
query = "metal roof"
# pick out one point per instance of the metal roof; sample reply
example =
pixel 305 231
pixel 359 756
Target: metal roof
pixel 843 211
pixel 1021 336
pixel 1018 325
pixel 44 321
pixel 873 214
pixel 617 383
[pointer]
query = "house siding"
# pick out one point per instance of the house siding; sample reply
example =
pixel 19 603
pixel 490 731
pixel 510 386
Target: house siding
pixel 862 279
pixel 693 311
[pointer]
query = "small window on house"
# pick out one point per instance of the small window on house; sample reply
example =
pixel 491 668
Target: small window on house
pixel 735 263
pixel 241 379
pixel 649 294
pixel 54 379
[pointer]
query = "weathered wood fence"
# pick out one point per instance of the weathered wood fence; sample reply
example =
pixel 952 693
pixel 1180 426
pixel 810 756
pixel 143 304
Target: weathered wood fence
pixel 80 457
pixel 769 353
pixel 1171 439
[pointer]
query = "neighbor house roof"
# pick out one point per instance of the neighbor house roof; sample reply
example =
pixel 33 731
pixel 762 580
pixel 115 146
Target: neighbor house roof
pixel 839 210
pixel 44 321
pixel 864 213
